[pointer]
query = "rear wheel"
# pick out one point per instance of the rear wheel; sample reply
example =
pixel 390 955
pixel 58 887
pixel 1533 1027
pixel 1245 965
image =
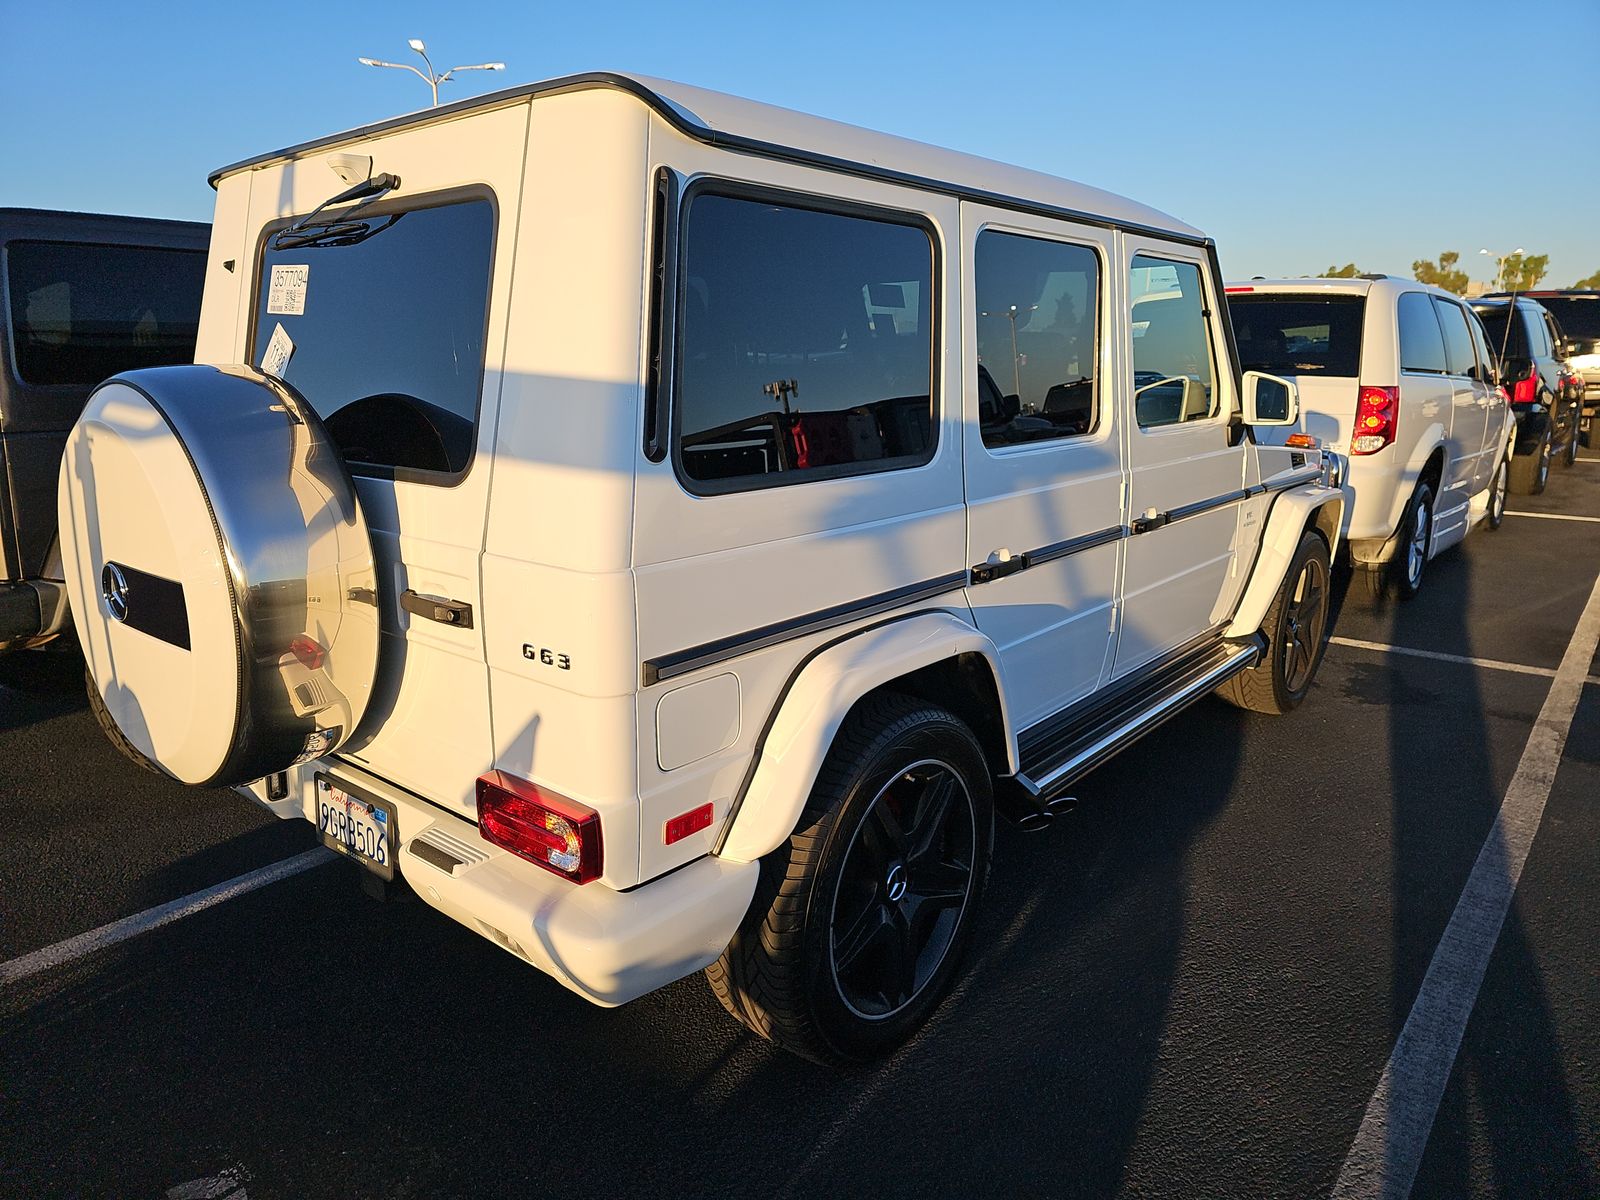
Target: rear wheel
pixel 1495 514
pixel 1531 471
pixel 1296 629
pixel 1401 576
pixel 1570 455
pixel 860 922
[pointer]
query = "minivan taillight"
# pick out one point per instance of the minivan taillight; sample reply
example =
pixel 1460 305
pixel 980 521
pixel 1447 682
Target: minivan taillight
pixel 1376 411
pixel 558 834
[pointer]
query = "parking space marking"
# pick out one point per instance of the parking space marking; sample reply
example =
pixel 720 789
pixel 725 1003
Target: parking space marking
pixel 161 914
pixel 1554 516
pixel 1389 1144
pixel 1490 664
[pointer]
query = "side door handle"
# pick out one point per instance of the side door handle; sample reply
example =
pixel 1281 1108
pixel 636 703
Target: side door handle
pixel 437 608
pixel 1150 521
pixel 999 568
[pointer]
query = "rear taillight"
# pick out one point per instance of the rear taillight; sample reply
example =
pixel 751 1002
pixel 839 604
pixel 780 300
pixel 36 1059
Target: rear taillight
pixel 1525 391
pixel 310 653
pixel 1377 408
pixel 560 835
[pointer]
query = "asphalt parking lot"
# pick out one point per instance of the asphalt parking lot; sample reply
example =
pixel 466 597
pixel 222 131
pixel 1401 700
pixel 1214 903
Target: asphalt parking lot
pixel 1191 986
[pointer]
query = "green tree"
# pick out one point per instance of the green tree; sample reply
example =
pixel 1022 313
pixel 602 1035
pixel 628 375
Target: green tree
pixel 1592 282
pixel 1522 272
pixel 1443 273
pixel 1348 271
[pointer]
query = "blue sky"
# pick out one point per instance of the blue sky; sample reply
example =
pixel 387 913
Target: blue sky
pixel 1297 135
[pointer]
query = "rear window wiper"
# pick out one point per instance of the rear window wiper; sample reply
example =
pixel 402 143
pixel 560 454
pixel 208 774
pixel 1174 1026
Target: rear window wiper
pixel 341 228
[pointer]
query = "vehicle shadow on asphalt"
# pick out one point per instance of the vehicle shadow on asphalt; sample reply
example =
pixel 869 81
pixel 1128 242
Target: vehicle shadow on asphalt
pixel 1446 796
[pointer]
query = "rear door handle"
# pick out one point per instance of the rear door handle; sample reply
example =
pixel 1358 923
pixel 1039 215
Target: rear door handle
pixel 1150 521
pixel 437 608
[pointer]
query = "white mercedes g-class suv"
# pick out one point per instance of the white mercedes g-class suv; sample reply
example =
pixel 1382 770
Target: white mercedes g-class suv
pixel 665 529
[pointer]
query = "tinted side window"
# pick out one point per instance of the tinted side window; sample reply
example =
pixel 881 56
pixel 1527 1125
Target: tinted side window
pixel 1538 336
pixel 387 333
pixel 80 312
pixel 1172 373
pixel 1421 343
pixel 805 346
pixel 1460 358
pixel 1038 312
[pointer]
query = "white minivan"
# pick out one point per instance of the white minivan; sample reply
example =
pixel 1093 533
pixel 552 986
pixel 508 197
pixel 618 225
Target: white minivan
pixel 1398 378
pixel 665 530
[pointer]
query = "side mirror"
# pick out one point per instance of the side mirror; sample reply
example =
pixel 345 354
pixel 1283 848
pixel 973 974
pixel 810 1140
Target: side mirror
pixel 1269 400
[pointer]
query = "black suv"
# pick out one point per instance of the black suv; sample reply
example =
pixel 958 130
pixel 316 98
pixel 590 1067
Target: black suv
pixel 83 297
pixel 1577 310
pixel 1530 347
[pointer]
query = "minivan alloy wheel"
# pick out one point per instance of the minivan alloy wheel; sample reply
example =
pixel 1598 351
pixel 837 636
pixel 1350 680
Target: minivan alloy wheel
pixel 1417 542
pixel 905 883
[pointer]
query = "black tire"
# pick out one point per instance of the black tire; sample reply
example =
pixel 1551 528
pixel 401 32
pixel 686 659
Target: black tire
pixel 1570 454
pixel 1531 471
pixel 1296 628
pixel 108 726
pixel 781 975
pixel 1401 577
pixel 1499 488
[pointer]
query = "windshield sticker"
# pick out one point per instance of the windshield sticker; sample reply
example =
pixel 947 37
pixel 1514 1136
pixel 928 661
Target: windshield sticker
pixel 286 295
pixel 279 350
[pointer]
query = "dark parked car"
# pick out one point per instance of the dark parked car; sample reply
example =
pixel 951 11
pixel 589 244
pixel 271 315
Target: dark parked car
pixel 83 297
pixel 1532 368
pixel 1578 312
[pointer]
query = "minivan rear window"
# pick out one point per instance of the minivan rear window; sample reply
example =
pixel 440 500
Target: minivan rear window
pixel 1299 335
pixel 81 312
pixel 386 334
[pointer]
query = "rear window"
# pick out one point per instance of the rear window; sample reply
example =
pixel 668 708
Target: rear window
pixel 1494 325
pixel 1421 342
pixel 1299 335
pixel 385 335
pixel 81 312
pixel 1579 315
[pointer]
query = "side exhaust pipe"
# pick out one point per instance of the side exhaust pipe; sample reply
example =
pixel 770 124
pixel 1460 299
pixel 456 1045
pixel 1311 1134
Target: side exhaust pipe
pixel 1020 802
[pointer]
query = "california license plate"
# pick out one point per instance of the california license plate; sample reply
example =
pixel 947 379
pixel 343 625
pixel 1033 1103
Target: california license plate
pixel 361 826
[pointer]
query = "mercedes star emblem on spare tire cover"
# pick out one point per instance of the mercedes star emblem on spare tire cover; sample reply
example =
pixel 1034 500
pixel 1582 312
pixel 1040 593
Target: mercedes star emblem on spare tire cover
pixel 114 590
pixel 220 484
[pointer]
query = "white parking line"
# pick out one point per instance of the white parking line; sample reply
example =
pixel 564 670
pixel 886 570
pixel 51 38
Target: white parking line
pixel 161 914
pixel 1388 1147
pixel 1490 664
pixel 1554 516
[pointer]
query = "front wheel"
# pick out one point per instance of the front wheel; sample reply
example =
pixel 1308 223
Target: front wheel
pixel 1296 629
pixel 860 922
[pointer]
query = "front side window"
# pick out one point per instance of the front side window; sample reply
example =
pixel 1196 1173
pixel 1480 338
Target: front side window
pixel 81 313
pixel 1172 372
pixel 805 345
pixel 1421 343
pixel 1038 306
pixel 385 335
pixel 1459 356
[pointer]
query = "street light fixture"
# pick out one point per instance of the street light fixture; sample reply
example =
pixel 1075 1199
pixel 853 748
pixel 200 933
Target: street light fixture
pixel 1500 262
pixel 433 79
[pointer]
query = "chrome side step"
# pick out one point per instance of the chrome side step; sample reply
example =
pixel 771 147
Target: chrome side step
pixel 1059 751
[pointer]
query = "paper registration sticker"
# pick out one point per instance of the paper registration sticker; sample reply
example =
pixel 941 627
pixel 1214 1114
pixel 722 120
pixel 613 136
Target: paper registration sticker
pixel 286 290
pixel 278 352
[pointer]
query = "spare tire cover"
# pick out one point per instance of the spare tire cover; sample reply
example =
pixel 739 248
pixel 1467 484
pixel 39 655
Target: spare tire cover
pixel 219 570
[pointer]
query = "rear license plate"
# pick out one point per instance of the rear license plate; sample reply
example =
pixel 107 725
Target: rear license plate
pixel 361 826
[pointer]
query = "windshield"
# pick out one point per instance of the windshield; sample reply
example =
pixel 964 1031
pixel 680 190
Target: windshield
pixel 384 335
pixel 1298 334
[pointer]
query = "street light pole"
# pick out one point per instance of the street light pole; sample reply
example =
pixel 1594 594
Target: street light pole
pixel 1500 263
pixel 433 79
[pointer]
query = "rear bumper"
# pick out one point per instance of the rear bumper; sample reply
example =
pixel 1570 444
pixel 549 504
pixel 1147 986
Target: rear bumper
pixel 608 946
pixel 30 608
